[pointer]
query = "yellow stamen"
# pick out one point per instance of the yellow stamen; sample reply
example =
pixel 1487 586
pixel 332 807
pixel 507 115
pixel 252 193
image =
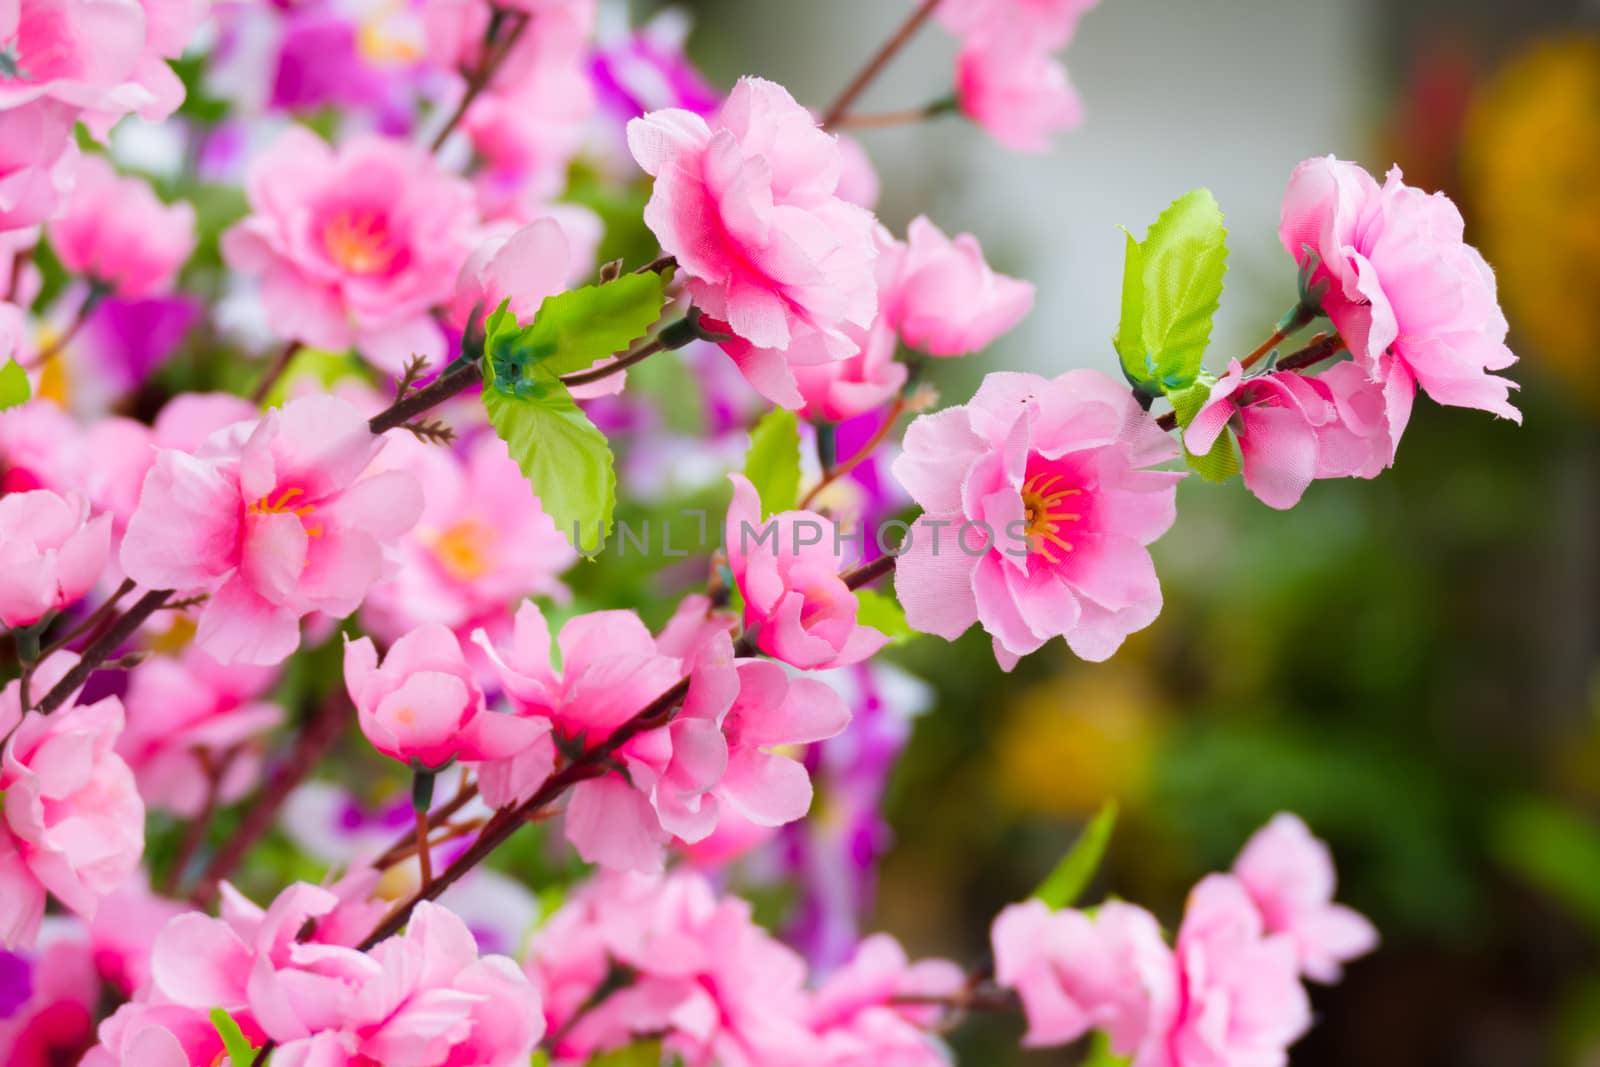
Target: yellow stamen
pixel 1041 509
pixel 359 242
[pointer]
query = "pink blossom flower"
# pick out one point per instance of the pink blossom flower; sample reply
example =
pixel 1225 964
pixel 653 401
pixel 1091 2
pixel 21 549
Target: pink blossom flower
pixel 947 300
pixel 749 205
pixel 354 246
pixel 1075 974
pixel 857 1019
pixel 719 987
pixel 1289 874
pixel 274 520
pixel 424 997
pixel 37 162
pixel 1401 281
pixel 119 233
pixel 73 821
pixel 422 707
pixel 51 554
pixel 798 606
pixel 123 933
pixel 1016 91
pixel 1240 998
pixel 1038 507
pixel 772 713
pixel 833 389
pixel 482 543
pixel 611 670
pixel 1049 23
pixel 195 726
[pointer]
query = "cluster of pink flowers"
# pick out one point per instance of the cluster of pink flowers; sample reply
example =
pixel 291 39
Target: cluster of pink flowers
pixel 1227 992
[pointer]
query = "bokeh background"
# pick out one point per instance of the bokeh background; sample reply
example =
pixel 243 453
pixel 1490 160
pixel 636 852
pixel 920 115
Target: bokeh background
pixel 1409 663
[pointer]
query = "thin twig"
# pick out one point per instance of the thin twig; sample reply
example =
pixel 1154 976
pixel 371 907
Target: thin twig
pixel 275 372
pixel 102 647
pixel 411 405
pixel 488 66
pixel 862 454
pixel 617 366
pixel 195 833
pixel 880 59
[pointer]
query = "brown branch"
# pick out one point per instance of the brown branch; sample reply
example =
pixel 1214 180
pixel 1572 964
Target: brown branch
pixel 488 65
pixel 880 59
pixel 102 647
pixel 862 454
pixel 274 373
pixel 408 407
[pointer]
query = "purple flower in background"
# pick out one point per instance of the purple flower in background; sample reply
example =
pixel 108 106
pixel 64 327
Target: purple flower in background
pixel 126 340
pixel 646 70
pixel 16 983
pixel 835 853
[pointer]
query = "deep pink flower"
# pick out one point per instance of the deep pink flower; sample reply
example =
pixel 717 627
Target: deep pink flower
pixel 1016 91
pixel 1401 281
pixel 1289 874
pixel 421 705
pixel 947 300
pixel 1038 510
pixel 483 542
pixel 73 821
pixel 48 999
pixel 1074 974
pixel 192 721
pixel 38 162
pixel 858 1020
pixel 787 567
pixel 118 232
pixel 354 246
pixel 51 554
pixel 275 520
pixel 749 205
pixel 772 714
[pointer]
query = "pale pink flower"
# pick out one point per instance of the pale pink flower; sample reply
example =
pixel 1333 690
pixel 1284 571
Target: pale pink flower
pixel 354 246
pixel 195 729
pixel 422 707
pixel 51 554
pixel 1401 280
pixel 117 231
pixel 38 162
pixel 749 205
pixel 1038 507
pixel 1240 999
pixel 834 390
pixel 772 714
pixel 718 986
pixel 856 1016
pixel 123 933
pixel 1289 874
pixel 611 670
pixel 947 300
pixel 858 178
pixel 274 520
pixel 1074 973
pixel 1016 91
pixel 482 543
pixel 787 567
pixel 73 820
pixel 1049 23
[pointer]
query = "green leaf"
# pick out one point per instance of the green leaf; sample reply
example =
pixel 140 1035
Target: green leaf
pixel 1223 461
pixel 773 462
pixel 1171 288
pixel 1073 874
pixel 883 613
pixel 240 1051
pixel 1555 850
pixel 563 454
pixel 572 330
pixel 640 1054
pixel 14 387
pixel 1100 1054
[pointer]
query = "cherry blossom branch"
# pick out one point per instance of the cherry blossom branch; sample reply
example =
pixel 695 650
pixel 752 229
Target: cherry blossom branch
pixel 1298 319
pixel 280 364
pixel 97 293
pixel 880 59
pixel 885 119
pixel 862 454
pixel 1323 346
pixel 310 746
pixel 488 66
pixel 633 356
pixel 101 648
pixel 195 833
pixel 442 388
pixel 405 844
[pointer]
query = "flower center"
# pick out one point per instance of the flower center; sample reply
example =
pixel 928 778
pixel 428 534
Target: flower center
pixel 1045 513
pixel 465 550
pixel 358 241
pixel 283 504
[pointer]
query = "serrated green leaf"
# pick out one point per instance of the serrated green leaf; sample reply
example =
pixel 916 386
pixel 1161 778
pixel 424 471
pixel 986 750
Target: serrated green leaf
pixel 773 462
pixel 1077 868
pixel 14 387
pixel 240 1051
pixel 640 1054
pixel 564 456
pixel 1172 286
pixel 573 330
pixel 883 613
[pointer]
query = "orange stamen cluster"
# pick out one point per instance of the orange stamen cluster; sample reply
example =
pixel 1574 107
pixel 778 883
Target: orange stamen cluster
pixel 359 242
pixel 281 505
pixel 1043 511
